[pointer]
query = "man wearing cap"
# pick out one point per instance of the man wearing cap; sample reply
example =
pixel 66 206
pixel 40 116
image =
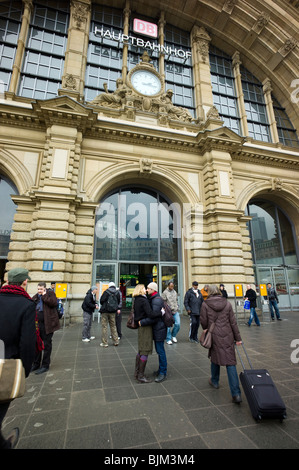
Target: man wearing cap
pixel 88 306
pixel 111 303
pixel 48 321
pixel 17 331
pixel 192 301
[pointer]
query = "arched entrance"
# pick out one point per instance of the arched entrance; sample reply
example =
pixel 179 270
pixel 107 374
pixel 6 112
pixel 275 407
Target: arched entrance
pixel 274 250
pixel 7 212
pixel 137 240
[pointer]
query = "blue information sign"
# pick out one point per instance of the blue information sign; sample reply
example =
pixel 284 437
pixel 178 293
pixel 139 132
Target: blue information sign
pixel 47 265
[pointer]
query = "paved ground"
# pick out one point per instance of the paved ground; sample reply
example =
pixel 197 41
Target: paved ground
pixel 89 399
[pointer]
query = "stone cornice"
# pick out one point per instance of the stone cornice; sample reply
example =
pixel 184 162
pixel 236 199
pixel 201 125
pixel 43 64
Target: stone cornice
pixel 211 135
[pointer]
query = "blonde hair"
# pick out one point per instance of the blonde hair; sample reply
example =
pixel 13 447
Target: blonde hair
pixel 138 290
pixel 213 290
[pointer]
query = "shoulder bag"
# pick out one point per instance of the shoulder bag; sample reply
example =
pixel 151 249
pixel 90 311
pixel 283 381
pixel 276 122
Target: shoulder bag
pixel 206 337
pixel 12 379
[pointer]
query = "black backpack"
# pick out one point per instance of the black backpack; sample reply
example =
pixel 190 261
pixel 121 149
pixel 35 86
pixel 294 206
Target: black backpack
pixel 112 302
pixel 167 317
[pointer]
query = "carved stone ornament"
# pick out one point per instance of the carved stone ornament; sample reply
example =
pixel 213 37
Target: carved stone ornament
pixel 70 82
pixel 201 40
pixel 277 184
pixel 126 100
pixel 213 113
pixel 288 46
pixel 229 6
pixel 80 12
pixel 146 166
pixel 261 22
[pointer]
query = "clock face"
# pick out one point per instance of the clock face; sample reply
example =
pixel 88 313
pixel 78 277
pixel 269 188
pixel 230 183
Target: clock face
pixel 146 82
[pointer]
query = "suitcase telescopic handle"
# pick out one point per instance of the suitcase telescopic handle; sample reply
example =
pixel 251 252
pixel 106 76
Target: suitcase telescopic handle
pixel 249 362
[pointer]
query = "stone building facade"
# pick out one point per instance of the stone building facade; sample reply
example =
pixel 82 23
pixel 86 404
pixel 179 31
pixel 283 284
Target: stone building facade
pixel 202 116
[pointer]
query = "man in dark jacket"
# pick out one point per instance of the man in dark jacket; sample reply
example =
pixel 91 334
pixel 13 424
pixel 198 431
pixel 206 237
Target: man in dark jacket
pixel 193 301
pixel 251 296
pixel 273 301
pixel 159 329
pixel 110 304
pixel 88 306
pixel 17 331
pixel 48 322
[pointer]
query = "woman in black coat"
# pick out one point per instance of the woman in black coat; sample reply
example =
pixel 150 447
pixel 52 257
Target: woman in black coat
pixel 159 328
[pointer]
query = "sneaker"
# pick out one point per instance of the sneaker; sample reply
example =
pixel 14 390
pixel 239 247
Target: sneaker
pixel 116 344
pixel 169 342
pixel 174 340
pixel 104 345
pixel 279 319
pixel 160 378
pixel 92 337
pixel 86 340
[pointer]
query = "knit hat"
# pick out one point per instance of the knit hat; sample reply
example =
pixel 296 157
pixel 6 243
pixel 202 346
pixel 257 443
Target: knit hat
pixel 111 284
pixel 153 285
pixel 18 275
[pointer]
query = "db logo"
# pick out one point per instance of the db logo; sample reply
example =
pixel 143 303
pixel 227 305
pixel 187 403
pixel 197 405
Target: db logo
pixel 143 27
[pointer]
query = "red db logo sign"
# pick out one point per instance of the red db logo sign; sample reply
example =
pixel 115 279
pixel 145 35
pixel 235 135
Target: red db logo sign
pixel 143 27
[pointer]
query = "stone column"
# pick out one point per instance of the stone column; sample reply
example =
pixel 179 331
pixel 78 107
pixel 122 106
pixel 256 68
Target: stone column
pixel 162 23
pixel 16 69
pixel 73 77
pixel 127 13
pixel 201 69
pixel 267 89
pixel 240 95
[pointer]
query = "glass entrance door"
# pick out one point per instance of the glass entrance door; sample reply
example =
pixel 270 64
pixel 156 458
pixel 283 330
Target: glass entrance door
pixel 286 282
pixel 104 273
pixel 171 272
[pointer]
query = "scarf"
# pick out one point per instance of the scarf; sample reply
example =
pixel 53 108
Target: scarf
pixel 18 290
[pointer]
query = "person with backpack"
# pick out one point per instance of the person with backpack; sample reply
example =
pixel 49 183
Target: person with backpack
pixel 88 306
pixel 110 304
pixel 171 298
pixel 273 301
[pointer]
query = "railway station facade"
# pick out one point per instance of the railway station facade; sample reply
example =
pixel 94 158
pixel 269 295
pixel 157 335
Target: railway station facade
pixel 146 141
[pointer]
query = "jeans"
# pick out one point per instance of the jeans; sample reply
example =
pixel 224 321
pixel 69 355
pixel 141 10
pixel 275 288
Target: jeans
pixel 176 327
pixel 159 345
pixel 194 325
pixel 253 315
pixel 273 303
pixel 86 325
pixel 232 376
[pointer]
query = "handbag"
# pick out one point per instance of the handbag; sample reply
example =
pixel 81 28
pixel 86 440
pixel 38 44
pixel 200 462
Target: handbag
pixel 247 305
pixel 12 379
pixel 206 337
pixel 131 323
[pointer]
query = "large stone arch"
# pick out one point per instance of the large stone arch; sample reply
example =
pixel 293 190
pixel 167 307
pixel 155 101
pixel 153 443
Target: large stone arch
pixel 283 196
pixel 16 171
pixel 163 179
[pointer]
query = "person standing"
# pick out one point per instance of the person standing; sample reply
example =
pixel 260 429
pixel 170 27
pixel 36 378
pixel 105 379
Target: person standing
pixel 110 304
pixel 204 291
pixel 17 331
pixel 142 310
pixel 251 296
pixel 159 329
pixel 171 298
pixel 193 301
pixel 223 291
pixel 88 306
pixel 273 301
pixel 48 321
pixel 216 308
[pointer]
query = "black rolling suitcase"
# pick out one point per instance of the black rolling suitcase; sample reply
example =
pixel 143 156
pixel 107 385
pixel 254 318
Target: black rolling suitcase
pixel 262 395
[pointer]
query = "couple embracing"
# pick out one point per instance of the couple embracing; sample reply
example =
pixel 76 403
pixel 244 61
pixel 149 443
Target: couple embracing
pixel 148 315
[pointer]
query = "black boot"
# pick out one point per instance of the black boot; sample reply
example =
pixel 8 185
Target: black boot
pixel 141 377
